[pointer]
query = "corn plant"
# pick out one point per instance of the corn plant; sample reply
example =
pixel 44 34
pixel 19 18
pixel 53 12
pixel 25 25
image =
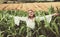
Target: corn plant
pixel 42 29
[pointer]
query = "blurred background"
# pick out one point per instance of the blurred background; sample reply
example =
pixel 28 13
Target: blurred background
pixel 26 1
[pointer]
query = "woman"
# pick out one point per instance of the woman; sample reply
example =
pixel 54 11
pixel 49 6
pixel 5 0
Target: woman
pixel 30 20
pixel 31 17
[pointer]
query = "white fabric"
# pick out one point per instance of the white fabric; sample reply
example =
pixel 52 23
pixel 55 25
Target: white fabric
pixel 16 20
pixel 48 18
pixel 30 23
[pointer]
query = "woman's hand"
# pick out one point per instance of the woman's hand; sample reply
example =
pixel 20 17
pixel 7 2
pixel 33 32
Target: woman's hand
pixel 56 14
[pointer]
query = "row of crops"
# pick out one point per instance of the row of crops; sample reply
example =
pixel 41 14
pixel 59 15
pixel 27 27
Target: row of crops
pixel 43 29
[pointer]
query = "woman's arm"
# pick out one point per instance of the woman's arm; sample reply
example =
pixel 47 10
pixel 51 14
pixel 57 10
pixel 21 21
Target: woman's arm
pixel 48 17
pixel 56 14
pixel 17 19
pixel 20 18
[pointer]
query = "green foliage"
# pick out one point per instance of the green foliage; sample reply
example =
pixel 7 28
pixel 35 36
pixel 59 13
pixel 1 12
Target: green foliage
pixel 43 28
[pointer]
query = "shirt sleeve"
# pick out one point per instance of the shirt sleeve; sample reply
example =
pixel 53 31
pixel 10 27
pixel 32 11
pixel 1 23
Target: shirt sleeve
pixel 17 19
pixel 23 18
pixel 48 18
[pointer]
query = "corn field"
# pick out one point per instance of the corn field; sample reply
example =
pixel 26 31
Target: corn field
pixel 42 29
pixel 26 6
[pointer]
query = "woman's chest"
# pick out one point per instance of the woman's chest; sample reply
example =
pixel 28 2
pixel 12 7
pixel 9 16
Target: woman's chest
pixel 30 23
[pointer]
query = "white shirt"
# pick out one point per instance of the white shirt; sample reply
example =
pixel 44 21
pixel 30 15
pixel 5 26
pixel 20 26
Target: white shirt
pixel 30 23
